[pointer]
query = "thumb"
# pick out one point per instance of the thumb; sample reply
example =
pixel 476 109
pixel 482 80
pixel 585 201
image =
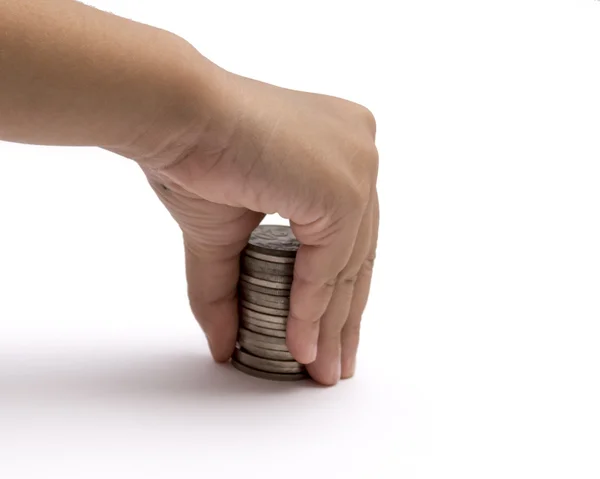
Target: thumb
pixel 212 276
pixel 214 236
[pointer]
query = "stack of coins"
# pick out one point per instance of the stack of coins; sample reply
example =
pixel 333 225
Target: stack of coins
pixel 266 270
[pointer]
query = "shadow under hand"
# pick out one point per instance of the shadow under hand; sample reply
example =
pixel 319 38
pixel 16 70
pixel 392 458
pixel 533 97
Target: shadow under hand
pixel 146 377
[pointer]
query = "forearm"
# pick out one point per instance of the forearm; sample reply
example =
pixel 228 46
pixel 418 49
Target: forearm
pixel 73 75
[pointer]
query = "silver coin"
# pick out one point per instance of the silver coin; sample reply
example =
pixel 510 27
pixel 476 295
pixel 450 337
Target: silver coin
pixel 273 278
pixel 267 300
pixel 268 353
pixel 264 310
pixel 244 286
pixel 245 336
pixel 253 265
pixel 249 313
pixel 274 240
pixel 269 258
pixel 263 331
pixel 270 376
pixel 267 365
pixel 266 283
pixel 263 324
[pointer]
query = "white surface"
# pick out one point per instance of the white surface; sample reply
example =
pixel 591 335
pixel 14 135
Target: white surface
pixel 480 354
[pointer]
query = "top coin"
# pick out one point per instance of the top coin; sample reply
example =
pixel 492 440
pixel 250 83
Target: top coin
pixel 275 240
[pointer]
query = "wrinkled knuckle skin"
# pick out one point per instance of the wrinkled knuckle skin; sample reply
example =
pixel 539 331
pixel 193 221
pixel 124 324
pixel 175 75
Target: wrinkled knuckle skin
pixel 352 329
pixel 349 280
pixel 294 317
pixel 368 266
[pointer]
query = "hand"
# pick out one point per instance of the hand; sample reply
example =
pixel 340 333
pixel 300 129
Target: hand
pixel 263 149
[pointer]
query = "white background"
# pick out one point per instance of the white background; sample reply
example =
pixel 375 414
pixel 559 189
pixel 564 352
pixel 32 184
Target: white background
pixel 480 355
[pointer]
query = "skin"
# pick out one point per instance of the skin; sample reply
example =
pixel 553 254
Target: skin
pixel 219 150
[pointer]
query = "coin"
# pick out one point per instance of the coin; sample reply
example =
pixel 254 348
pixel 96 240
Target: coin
pixel 246 336
pixel 253 265
pixel 249 313
pixel 265 283
pixel 273 278
pixel 263 324
pixel 262 309
pixel 261 289
pixel 263 331
pixel 273 240
pixel 267 365
pixel 268 353
pixel 268 257
pixel 264 375
pixel 267 300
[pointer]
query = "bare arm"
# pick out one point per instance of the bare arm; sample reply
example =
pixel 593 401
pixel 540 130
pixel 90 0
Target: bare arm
pixel 74 75
pixel 220 150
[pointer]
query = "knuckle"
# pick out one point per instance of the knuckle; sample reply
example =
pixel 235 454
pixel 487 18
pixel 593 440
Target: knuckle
pixel 330 336
pixel 367 165
pixel 369 118
pixel 302 319
pixel 348 280
pixel 368 266
pixel 352 328
pixel 370 158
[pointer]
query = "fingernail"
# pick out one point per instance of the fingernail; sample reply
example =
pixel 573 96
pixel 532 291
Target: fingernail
pixel 335 372
pixel 312 353
pixel 351 369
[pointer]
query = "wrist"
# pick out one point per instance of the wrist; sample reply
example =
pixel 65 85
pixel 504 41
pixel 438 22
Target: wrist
pixel 188 112
pixel 76 76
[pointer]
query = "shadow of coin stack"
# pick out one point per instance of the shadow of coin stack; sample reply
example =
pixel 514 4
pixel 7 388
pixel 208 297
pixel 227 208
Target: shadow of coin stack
pixel 266 270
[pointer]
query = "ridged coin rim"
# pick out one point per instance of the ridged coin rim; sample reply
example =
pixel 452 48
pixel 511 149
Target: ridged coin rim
pixel 263 309
pixel 269 376
pixel 249 313
pixel 262 340
pixel 266 267
pixel 269 258
pixel 266 300
pixel 267 353
pixel 271 278
pixel 280 293
pixel 264 331
pixel 265 283
pixel 263 324
pixel 277 240
pixel 267 365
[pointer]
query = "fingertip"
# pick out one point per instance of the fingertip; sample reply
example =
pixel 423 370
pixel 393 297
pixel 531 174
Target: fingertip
pixel 302 340
pixel 221 356
pixel 221 345
pixel 349 368
pixel 303 353
pixel 325 375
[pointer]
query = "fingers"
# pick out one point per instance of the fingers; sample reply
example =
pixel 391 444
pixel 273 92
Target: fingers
pixel 319 262
pixel 214 235
pixel 326 369
pixel 212 278
pixel 351 331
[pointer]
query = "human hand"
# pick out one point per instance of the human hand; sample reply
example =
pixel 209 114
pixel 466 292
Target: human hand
pixel 263 149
